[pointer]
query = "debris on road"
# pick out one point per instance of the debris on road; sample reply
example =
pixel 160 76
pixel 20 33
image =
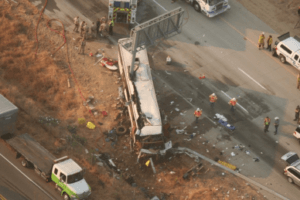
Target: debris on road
pixel 220 117
pixel 168 72
pixel 178 131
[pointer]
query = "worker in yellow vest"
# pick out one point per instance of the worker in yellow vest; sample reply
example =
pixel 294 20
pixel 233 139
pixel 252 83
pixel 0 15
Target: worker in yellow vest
pixel 261 41
pixel 232 103
pixel 267 122
pixel 269 42
pixel 198 114
pixel 111 25
pixel 212 99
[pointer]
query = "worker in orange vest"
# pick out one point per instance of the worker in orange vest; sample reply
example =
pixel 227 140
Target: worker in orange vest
pixel 298 81
pixel 212 99
pixel 267 122
pixel 233 103
pixel 198 114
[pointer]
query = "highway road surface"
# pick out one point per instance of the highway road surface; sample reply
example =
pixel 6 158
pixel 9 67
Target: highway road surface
pixel 224 49
pixel 19 183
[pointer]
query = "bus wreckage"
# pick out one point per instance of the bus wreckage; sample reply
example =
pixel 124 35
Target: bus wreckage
pixel 140 97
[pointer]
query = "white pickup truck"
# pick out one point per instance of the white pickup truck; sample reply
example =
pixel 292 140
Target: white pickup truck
pixel 210 8
pixel 288 49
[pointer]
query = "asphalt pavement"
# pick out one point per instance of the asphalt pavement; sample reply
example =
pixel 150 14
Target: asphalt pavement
pixel 224 49
pixel 19 183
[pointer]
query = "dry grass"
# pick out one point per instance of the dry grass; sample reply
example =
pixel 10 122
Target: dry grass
pixel 38 79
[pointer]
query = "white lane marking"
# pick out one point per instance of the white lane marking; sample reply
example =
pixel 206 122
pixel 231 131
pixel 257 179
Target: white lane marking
pixel 160 5
pixel 252 79
pixel 27 177
pixel 236 103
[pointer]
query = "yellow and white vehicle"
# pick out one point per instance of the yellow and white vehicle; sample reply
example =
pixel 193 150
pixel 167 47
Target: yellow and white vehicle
pixel 210 8
pixel 122 11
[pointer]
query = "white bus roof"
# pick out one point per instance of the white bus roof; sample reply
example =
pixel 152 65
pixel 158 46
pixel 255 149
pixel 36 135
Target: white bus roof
pixel 145 90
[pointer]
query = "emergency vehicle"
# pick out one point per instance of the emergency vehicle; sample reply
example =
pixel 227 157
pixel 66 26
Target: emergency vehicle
pixel 122 11
pixel 210 8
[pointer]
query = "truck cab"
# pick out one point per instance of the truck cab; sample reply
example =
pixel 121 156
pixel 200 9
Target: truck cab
pixel 122 11
pixel 288 49
pixel 210 8
pixel 68 176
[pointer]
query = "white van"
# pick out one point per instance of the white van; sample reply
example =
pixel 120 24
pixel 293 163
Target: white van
pixel 288 49
pixel 292 171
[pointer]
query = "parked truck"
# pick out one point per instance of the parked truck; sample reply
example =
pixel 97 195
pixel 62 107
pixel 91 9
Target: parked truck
pixel 64 172
pixel 210 8
pixel 288 49
pixel 122 11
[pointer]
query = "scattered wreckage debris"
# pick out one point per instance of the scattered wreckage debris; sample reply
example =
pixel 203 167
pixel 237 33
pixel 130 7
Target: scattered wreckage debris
pixel 109 64
pixel 193 171
pixel 223 121
pixel 51 121
pixel 168 146
pixel 230 166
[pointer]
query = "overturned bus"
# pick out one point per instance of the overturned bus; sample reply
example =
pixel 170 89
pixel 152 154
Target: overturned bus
pixel 140 97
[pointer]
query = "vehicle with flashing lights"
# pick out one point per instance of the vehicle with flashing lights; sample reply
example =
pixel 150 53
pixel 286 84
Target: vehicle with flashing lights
pixel 122 11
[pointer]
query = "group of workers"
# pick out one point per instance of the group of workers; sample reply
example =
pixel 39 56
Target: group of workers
pixel 212 100
pixel 95 29
pixel 267 122
pixel 233 102
pixel 261 41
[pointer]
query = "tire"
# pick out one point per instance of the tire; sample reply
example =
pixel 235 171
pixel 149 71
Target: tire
pixel 290 180
pixel 197 7
pixel 66 197
pixel 24 163
pixel 274 53
pixel 121 130
pixel 282 59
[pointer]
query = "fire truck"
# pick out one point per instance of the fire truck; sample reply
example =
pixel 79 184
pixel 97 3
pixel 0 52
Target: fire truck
pixel 122 11
pixel 210 8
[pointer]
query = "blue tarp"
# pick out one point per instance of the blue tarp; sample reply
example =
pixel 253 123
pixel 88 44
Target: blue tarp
pixel 225 124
